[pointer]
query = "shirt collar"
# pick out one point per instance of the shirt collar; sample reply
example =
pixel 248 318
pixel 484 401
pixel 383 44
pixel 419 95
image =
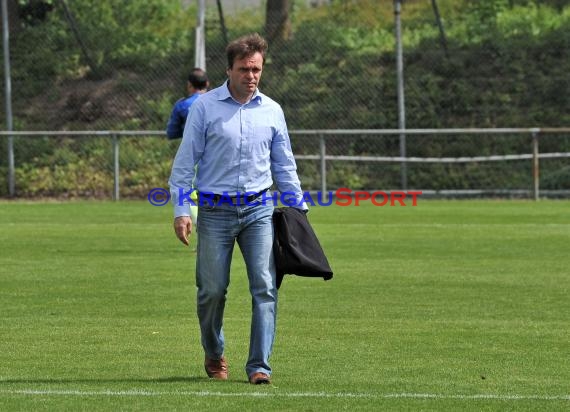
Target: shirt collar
pixel 224 93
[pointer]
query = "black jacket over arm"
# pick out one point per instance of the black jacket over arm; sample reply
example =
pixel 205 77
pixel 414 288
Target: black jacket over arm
pixel 296 248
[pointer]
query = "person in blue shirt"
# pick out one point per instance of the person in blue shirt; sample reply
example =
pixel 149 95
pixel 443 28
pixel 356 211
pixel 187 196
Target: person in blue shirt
pixel 238 138
pixel 197 84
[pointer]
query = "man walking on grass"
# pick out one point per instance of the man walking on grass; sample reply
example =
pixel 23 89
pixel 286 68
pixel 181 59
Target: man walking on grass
pixel 238 138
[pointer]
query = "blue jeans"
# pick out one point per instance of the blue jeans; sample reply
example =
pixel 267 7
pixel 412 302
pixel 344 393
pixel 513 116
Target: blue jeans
pixel 219 227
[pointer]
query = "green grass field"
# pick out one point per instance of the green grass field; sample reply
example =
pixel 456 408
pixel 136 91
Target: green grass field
pixel 449 305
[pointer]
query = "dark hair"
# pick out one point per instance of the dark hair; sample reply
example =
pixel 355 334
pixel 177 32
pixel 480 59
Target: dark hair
pixel 198 79
pixel 246 46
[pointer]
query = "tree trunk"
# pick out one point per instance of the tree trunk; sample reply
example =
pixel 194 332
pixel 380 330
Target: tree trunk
pixel 277 23
pixel 13 16
pixel 442 37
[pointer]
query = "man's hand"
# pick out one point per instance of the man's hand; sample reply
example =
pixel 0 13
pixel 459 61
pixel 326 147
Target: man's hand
pixel 183 228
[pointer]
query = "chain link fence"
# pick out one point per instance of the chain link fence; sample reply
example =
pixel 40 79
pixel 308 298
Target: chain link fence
pixel 128 164
pixel 82 65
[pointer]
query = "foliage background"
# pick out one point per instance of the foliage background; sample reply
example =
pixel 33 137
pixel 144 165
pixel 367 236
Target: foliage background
pixel 120 66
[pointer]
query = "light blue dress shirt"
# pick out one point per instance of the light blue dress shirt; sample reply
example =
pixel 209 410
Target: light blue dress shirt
pixel 236 147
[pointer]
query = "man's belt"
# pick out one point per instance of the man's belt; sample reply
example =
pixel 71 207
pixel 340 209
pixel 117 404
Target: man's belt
pixel 215 198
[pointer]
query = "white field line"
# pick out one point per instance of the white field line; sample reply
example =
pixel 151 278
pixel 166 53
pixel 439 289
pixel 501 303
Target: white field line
pixel 135 393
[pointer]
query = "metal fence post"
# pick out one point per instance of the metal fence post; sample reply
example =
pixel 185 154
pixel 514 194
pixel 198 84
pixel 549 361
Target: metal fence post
pixel 8 97
pixel 323 153
pixel 535 164
pixel 401 94
pixel 200 42
pixel 115 167
pixel 11 167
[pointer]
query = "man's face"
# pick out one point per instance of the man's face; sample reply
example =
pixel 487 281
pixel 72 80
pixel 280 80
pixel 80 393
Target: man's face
pixel 244 76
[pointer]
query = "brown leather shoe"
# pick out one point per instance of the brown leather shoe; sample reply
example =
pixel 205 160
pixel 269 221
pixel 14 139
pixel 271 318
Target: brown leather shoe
pixel 216 368
pixel 259 378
